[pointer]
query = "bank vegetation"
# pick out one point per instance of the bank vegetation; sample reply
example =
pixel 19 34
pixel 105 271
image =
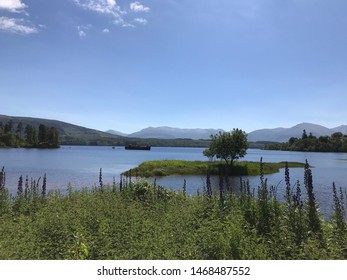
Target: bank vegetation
pixel 139 220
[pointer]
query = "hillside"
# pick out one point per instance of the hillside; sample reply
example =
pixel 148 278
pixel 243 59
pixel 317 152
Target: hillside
pixel 341 128
pixel 70 134
pixel 165 132
pixel 283 134
pixel 279 134
pixel 116 132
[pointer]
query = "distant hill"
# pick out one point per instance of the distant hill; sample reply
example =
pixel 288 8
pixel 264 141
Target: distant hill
pixel 283 134
pixel 115 132
pixel 165 132
pixel 70 134
pixel 341 128
pixel 279 134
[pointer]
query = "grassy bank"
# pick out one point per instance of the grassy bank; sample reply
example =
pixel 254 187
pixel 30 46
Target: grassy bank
pixel 159 168
pixel 143 221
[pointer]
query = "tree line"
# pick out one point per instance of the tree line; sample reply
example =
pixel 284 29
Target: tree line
pixel 28 136
pixel 336 142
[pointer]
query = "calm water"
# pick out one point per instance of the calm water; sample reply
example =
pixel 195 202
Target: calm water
pixel 80 166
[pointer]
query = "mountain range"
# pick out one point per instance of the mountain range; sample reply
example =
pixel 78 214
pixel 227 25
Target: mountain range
pixel 71 134
pixel 165 132
pixel 77 135
pixel 272 135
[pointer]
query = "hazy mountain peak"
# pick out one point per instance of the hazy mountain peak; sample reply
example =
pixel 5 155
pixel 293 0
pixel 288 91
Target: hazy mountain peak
pixel 115 132
pixel 283 134
pixel 279 134
pixel 166 132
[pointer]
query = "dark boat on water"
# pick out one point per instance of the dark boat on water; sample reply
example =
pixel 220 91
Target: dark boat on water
pixel 138 147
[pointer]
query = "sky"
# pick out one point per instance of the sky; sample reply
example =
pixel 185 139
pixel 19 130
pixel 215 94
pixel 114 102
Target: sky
pixel 126 65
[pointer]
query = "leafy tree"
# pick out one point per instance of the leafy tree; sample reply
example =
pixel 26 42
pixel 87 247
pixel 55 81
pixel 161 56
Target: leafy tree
pixel 228 146
pixel 53 137
pixel 292 140
pixel 209 153
pixel 31 134
pixel 42 134
pixel 337 142
pixel 19 129
pixel 8 127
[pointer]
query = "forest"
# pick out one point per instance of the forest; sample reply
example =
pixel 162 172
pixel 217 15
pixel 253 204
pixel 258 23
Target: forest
pixel 335 143
pixel 28 136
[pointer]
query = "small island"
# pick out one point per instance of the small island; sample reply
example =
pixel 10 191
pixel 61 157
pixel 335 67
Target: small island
pixel 226 146
pixel 29 136
pixel 162 168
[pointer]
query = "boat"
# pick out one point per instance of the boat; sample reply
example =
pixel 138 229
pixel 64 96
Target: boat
pixel 137 147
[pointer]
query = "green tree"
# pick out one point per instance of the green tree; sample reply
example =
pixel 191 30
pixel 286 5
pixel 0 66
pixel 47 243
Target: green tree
pixel 31 135
pixel 19 129
pixel 228 146
pixel 43 135
pixel 53 137
pixel 8 127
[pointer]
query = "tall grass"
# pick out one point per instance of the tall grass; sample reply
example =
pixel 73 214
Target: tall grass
pixel 139 220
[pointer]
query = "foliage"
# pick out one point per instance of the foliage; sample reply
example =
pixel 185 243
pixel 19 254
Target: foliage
pixel 161 168
pixel 45 137
pixel 139 220
pixel 337 142
pixel 70 134
pixel 228 146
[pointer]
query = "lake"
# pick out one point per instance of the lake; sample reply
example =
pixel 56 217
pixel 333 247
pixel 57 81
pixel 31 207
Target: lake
pixel 80 165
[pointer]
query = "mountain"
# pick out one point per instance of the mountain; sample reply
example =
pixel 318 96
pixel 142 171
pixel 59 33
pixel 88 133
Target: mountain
pixel 279 134
pixel 165 132
pixel 115 132
pixel 283 134
pixel 266 135
pixel 70 134
pixel 341 128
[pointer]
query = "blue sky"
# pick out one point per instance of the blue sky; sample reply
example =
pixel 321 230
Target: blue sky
pixel 127 65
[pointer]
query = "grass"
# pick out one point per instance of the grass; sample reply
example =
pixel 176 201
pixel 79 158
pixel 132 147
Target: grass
pixel 144 221
pixel 161 168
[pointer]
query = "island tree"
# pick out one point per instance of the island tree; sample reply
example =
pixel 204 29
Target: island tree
pixel 43 137
pixel 228 146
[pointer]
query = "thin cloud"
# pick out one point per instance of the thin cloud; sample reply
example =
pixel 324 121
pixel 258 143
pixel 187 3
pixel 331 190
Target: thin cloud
pixel 14 6
pixel 106 30
pixel 82 30
pixel 108 7
pixel 18 26
pixel 112 9
pixel 138 7
pixel 104 7
pixel 141 20
pixel 126 24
